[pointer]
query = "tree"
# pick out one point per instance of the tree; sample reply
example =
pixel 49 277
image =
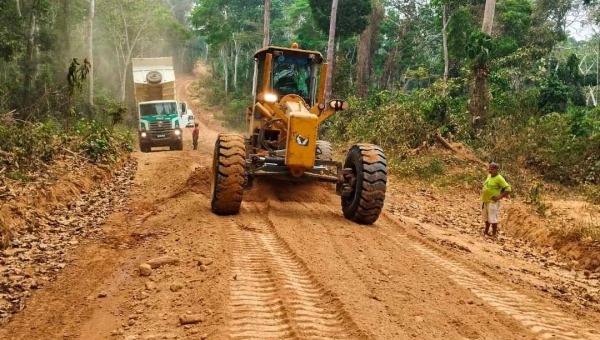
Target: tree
pixel 354 12
pixel 133 28
pixel 448 9
pixel 266 23
pixel 488 17
pixel 480 51
pixel 90 57
pixel 367 43
pixel 330 51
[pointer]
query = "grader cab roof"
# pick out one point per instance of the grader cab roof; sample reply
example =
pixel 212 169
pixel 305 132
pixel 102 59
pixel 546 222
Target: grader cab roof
pixel 297 53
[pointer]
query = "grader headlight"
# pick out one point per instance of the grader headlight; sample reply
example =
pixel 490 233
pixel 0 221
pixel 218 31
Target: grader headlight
pixel 338 105
pixel 271 97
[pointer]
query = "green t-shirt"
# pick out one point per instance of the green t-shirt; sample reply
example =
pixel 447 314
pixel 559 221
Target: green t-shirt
pixel 493 187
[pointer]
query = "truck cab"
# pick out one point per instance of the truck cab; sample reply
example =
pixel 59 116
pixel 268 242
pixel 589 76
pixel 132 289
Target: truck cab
pixel 160 125
pixel 160 115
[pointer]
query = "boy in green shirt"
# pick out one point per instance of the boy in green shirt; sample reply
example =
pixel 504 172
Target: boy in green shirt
pixel 494 189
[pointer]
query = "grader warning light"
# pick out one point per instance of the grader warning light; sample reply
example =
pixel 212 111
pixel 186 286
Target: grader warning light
pixel 281 139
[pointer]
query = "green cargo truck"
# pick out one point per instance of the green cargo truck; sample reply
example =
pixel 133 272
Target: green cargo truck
pixel 161 116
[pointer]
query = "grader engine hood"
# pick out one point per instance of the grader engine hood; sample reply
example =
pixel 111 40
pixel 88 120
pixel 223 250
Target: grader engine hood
pixel 301 138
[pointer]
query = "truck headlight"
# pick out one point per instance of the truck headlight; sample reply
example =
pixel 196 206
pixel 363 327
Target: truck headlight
pixel 144 135
pixel 177 132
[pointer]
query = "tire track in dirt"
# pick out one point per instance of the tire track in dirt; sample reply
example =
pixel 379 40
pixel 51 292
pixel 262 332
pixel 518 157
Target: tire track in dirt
pixel 256 310
pixel 274 295
pixel 540 319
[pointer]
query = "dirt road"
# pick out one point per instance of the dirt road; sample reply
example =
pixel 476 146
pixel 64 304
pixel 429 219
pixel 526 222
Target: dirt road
pixel 289 266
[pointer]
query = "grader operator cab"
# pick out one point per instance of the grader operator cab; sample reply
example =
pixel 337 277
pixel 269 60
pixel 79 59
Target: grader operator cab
pixel 281 139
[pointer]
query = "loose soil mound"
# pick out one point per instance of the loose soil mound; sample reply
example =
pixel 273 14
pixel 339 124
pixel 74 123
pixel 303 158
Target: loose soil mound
pixel 567 238
pixel 286 191
pixel 48 194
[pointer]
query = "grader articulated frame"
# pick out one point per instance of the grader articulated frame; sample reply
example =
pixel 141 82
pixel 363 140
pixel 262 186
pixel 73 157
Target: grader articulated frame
pixel 281 139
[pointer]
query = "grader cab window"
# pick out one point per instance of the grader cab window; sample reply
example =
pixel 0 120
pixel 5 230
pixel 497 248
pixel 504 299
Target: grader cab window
pixel 292 76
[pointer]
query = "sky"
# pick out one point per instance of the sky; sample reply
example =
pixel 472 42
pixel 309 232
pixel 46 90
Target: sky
pixel 578 25
pixel 580 33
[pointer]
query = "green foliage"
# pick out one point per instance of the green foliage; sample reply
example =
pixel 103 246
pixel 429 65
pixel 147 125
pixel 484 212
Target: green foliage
pixel 234 112
pixel 99 144
pixel 403 121
pixel 554 95
pixel 592 193
pixel 352 16
pixel 27 147
pixel 479 48
pixel 426 168
pixel 534 197
pixel 536 118
pixel 515 19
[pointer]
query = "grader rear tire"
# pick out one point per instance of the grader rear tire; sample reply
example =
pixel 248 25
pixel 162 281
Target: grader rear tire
pixel 368 183
pixel 228 174
pixel 324 151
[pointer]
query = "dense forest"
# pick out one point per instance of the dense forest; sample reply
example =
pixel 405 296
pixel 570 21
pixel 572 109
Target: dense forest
pixel 515 80
pixel 519 89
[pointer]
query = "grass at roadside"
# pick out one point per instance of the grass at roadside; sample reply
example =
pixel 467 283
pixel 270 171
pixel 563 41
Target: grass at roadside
pixel 27 148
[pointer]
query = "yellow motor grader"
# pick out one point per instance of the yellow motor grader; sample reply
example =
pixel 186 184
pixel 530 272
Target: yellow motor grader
pixel 281 140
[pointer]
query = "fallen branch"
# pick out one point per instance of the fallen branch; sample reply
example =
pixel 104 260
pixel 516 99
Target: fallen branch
pixel 447 145
pixel 6 154
pixel 2 171
pixel 444 142
pixel 77 155
pixel 418 150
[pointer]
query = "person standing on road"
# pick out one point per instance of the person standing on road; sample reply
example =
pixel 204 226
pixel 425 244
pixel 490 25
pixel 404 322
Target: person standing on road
pixel 494 189
pixel 195 136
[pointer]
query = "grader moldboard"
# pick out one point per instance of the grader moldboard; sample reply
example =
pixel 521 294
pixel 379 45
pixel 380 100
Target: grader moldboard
pixel 281 141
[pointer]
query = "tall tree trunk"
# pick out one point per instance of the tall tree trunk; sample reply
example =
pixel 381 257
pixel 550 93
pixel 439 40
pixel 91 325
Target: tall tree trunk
pixel 388 68
pixel 235 62
pixel 330 52
pixel 19 8
pixel 267 23
pixel 66 32
pixel 124 82
pixel 479 101
pixel 597 68
pixel 225 68
pixel 488 16
pixel 30 62
pixel 367 43
pixel 445 42
pixel 91 54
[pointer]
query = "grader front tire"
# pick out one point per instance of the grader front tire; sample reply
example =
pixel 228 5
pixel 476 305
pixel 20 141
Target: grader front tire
pixel 368 183
pixel 324 151
pixel 228 174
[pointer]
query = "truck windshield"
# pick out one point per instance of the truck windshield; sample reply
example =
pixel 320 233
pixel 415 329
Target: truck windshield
pixel 158 109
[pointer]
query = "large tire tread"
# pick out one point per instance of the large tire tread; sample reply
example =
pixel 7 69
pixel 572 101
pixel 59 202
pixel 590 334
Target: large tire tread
pixel 368 198
pixel 229 165
pixel 324 151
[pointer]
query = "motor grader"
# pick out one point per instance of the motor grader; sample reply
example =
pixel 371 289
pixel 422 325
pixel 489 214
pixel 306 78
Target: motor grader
pixel 281 139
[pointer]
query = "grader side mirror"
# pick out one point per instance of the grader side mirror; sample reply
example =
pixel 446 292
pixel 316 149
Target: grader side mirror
pixel 338 105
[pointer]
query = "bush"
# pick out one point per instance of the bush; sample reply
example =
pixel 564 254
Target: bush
pixel 401 122
pixel 28 147
pixel 99 144
pixel 554 95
